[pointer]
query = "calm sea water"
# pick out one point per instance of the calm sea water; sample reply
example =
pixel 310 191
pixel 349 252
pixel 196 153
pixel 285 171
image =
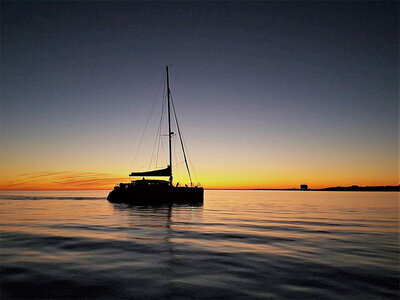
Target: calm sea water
pixel 239 244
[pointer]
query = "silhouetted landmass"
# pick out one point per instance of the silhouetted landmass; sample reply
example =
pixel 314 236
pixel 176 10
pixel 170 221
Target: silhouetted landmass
pixel 353 188
pixel 386 188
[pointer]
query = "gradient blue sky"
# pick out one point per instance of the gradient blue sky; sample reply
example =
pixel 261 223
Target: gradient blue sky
pixel 269 94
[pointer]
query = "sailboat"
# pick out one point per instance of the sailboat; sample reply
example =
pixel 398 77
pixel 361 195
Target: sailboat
pixel 151 191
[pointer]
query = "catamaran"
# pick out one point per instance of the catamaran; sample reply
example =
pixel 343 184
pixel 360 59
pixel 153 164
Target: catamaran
pixel 151 191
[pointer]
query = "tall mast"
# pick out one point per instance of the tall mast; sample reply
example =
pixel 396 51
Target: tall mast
pixel 169 126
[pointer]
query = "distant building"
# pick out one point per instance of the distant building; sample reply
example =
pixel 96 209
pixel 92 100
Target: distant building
pixel 304 187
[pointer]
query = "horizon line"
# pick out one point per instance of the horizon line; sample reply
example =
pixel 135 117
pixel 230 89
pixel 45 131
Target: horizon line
pixel 221 189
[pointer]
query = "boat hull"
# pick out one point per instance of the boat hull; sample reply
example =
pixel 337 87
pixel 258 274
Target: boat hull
pixel 154 195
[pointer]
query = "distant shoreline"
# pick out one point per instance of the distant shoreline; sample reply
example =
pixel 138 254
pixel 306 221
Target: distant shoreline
pixel 354 188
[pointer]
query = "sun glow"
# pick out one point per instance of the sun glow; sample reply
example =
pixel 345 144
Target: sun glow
pixel 209 179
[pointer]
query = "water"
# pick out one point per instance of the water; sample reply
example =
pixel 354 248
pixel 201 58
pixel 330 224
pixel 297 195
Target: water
pixel 239 244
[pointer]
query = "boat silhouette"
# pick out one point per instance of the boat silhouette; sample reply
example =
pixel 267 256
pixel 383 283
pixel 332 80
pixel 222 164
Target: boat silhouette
pixel 155 191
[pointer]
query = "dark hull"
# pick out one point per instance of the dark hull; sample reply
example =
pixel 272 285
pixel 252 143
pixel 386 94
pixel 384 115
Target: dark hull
pixel 156 195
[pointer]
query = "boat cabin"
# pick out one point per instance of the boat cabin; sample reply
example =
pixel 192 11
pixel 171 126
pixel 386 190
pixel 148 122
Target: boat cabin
pixel 144 183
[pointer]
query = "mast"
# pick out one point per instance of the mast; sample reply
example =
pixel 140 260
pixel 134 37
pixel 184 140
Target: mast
pixel 169 126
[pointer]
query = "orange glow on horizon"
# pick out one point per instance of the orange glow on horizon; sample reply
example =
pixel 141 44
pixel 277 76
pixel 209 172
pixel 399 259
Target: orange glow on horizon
pixel 74 180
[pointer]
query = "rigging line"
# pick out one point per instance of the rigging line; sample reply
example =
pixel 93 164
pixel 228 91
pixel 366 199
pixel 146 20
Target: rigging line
pixel 180 138
pixel 159 137
pixel 178 164
pixel 163 150
pixel 177 168
pixel 158 149
pixel 147 123
pixel 194 170
pixel 154 147
pixel 175 159
pixel 190 162
pixel 158 134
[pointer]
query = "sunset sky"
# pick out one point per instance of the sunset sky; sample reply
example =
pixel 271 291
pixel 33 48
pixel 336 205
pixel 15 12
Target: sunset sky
pixel 268 94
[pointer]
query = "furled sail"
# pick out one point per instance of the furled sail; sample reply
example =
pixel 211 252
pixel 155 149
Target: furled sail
pixel 161 172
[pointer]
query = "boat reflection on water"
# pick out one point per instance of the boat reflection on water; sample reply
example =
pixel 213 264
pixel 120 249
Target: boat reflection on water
pixel 126 207
pixel 159 229
pixel 145 217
